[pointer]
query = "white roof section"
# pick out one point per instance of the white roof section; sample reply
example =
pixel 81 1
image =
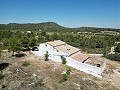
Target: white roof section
pixel 56 43
pixel 67 49
pixel 63 47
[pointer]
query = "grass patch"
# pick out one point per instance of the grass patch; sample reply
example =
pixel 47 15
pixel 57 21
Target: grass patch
pixel 26 63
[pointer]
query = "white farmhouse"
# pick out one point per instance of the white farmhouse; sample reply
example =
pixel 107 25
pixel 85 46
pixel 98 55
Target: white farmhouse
pixel 73 56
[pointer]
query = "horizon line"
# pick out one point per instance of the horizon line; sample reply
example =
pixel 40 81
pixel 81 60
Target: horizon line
pixel 56 23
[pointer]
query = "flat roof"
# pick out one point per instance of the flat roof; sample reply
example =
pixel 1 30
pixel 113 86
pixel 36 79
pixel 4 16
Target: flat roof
pixel 56 43
pixel 67 49
pixel 80 57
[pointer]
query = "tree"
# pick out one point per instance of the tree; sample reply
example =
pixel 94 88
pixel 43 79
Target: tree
pixel 114 57
pixel 46 56
pixel 117 49
pixel 55 36
pixel 43 33
pixel 14 45
pixel 25 42
pixel 32 42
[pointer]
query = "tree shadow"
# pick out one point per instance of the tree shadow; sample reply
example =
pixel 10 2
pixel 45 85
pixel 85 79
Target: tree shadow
pixel 3 65
pixel 20 55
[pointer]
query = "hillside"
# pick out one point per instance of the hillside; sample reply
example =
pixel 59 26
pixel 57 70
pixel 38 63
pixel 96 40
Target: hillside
pixel 45 75
pixel 49 26
pixel 31 26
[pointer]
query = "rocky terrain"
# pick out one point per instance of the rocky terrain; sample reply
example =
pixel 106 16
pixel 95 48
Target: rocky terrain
pixel 45 75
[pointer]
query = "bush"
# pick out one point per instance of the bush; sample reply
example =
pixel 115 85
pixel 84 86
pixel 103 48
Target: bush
pixel 64 78
pixel 114 57
pixel 117 49
pixel 25 63
pixel 63 60
pixel 46 56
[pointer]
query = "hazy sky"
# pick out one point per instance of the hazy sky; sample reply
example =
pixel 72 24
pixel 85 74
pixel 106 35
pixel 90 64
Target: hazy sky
pixel 69 13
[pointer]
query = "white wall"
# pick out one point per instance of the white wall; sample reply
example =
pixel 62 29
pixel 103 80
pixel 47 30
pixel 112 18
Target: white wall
pixel 96 71
pixel 56 56
pixel 43 48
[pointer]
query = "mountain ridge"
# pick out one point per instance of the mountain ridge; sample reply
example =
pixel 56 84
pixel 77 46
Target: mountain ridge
pixel 49 26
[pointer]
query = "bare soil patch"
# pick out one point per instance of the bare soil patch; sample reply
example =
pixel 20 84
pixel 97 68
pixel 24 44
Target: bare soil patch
pixel 45 75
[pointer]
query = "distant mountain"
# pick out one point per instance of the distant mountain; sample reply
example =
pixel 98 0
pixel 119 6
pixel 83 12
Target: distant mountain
pixel 31 26
pixel 48 26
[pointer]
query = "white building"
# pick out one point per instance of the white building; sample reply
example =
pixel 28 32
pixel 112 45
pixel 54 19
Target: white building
pixel 28 31
pixel 73 56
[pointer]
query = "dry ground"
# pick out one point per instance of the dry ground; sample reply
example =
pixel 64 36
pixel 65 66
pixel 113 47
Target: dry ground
pixel 45 75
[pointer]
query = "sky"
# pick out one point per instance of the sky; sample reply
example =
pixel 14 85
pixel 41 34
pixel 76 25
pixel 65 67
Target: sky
pixel 68 13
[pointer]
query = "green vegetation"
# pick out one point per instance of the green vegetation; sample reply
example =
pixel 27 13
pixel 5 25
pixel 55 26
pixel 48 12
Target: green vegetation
pixel 16 41
pixel 15 37
pixel 63 60
pixel 65 76
pixel 114 57
pixel 14 45
pixel 49 26
pixel 46 56
pixel 26 63
pixel 117 49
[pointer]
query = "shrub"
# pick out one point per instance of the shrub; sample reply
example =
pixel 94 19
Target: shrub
pixel 63 60
pixel 25 63
pixel 46 56
pixel 117 49
pixel 114 57
pixel 64 78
